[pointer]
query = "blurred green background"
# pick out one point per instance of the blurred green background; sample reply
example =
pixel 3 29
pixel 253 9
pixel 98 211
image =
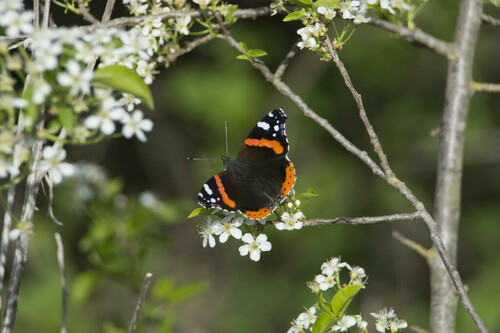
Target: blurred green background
pixel 112 239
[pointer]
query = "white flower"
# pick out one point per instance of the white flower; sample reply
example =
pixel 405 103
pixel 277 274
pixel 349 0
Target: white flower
pixel 152 27
pixel 109 112
pixel 290 222
pixel 344 323
pixel 325 282
pixel 207 232
pixel 7 5
pixel 129 101
pixel 181 24
pixel 296 328
pixel 76 78
pixel 40 91
pixel 307 318
pixel 136 125
pixel 146 70
pixel 202 3
pixel 332 266
pixel 397 324
pixel 254 246
pixel 328 13
pixel 46 51
pixel 308 39
pixel 349 9
pixel 17 23
pixel 357 274
pixel 228 228
pixel 314 286
pixel 387 5
pixel 52 163
pixel 384 319
pixel 360 323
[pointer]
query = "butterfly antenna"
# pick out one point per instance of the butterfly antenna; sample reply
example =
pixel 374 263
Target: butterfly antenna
pixel 225 127
pixel 201 159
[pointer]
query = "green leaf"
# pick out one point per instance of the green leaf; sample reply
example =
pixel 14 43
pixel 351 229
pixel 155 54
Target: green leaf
pixel 197 212
pixel 333 4
pixel 68 118
pixel 323 323
pixel 298 15
pixel 343 298
pixel 256 53
pixel 229 19
pixel 125 80
pixel 243 57
pixel 302 3
pixel 83 285
pixel 187 291
pixel 307 196
pixel 244 47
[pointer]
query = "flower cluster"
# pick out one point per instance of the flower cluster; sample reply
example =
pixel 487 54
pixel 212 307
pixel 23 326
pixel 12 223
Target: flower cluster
pixel 333 313
pixel 229 226
pixel 386 320
pixel 316 19
pixel 225 224
pixel 330 279
pixel 15 19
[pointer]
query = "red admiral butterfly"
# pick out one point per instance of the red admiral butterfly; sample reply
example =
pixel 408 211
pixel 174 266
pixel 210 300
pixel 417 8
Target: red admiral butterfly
pixel 259 178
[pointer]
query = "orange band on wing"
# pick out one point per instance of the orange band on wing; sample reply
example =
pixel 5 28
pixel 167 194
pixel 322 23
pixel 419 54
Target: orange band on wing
pixel 289 181
pixel 259 214
pixel 273 144
pixel 223 193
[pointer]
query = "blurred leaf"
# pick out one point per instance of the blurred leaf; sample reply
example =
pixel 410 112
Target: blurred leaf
pixel 323 323
pixel 343 298
pixel 229 18
pixel 298 15
pixel 109 327
pixel 256 53
pixel 125 80
pixel 327 3
pixel 83 286
pixel 187 291
pixel 302 3
pixel 307 196
pixel 68 118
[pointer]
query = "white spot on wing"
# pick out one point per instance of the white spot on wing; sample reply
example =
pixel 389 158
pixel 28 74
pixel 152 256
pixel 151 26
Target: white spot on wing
pixel 265 126
pixel 276 128
pixel 207 189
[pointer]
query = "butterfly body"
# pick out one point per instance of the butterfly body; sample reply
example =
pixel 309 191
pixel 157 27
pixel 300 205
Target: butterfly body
pixel 259 178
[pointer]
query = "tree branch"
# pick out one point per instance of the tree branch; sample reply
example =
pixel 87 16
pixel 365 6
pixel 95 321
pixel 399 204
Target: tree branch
pixel 486 87
pixel 144 289
pixel 417 37
pixel 364 220
pixel 487 19
pixel 188 47
pixel 284 63
pixel 427 254
pixel 449 171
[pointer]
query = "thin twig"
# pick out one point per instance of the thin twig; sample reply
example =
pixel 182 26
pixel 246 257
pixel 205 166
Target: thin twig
pixel 31 191
pixel 46 14
pixel 85 13
pixel 486 87
pixel 494 22
pixel 425 253
pixel 188 47
pixel 7 220
pixel 416 36
pixel 60 260
pixel 377 147
pixel 364 220
pixel 144 289
pixel 284 63
pixel 252 13
pixel 108 10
